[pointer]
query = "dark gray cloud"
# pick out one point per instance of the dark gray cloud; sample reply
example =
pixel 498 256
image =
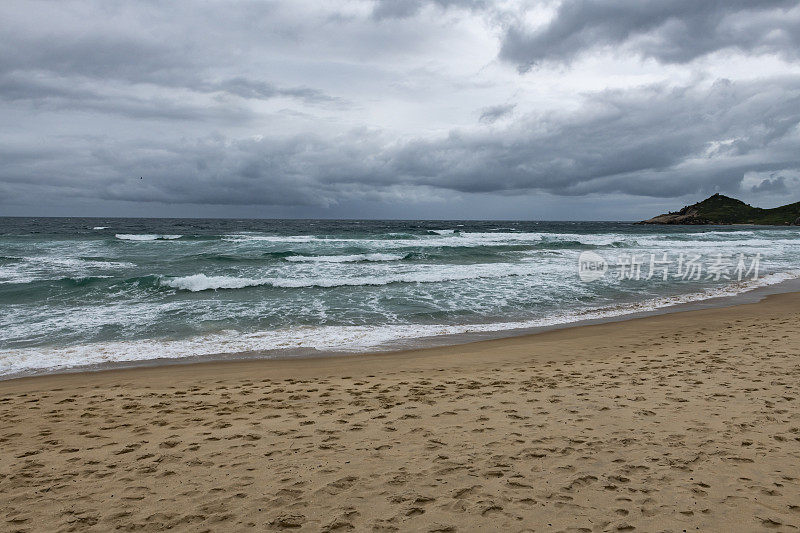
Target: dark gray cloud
pixel 651 141
pixel 776 184
pixel 60 94
pixel 55 70
pixel 77 68
pixel 492 114
pixel 657 141
pixel 255 89
pixel 313 108
pixel 671 31
pixel 389 9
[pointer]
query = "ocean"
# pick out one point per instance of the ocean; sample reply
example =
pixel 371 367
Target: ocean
pixel 78 292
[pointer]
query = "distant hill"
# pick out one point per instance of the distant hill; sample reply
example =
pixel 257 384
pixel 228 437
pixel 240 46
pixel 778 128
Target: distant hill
pixel 720 209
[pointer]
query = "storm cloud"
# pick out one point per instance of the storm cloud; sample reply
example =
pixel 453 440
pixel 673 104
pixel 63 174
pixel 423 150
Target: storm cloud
pixel 388 106
pixel 674 31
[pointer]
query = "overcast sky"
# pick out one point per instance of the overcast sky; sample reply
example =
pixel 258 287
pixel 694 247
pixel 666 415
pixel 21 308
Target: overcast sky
pixel 573 109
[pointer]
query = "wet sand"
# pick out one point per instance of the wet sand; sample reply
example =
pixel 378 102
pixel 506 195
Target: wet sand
pixel 680 422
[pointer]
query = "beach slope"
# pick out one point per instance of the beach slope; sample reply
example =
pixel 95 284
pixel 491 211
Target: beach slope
pixel 680 422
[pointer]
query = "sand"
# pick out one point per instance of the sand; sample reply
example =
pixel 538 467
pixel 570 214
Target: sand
pixel 681 422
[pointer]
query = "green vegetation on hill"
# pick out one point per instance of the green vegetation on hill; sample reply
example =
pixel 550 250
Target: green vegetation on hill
pixel 720 209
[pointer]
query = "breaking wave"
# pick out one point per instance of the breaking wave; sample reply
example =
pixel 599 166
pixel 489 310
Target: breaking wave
pixel 202 282
pixel 147 237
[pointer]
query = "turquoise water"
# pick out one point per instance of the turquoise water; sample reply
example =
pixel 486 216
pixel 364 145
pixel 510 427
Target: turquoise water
pixel 88 291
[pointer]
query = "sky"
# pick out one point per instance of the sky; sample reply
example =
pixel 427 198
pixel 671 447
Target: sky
pixel 433 109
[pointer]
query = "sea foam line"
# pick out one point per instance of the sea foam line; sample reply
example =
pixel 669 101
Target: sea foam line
pixel 146 237
pixel 446 238
pixel 202 282
pixel 354 339
pixel 354 258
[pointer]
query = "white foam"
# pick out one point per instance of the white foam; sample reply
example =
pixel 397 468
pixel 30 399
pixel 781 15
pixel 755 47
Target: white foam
pixel 100 227
pixel 245 237
pixel 48 268
pixel 413 241
pixel 445 238
pixel 355 258
pixel 438 274
pixel 77 263
pixel 147 237
pixel 451 237
pixel 677 244
pixel 324 338
pixel 201 282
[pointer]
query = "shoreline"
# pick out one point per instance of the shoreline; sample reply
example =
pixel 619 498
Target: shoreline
pixel 679 421
pixel 679 314
pixel 420 344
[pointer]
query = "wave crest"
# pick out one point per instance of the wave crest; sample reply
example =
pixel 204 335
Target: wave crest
pixel 354 258
pixel 201 282
pixel 146 237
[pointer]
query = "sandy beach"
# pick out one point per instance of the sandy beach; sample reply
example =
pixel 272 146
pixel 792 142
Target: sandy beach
pixel 680 422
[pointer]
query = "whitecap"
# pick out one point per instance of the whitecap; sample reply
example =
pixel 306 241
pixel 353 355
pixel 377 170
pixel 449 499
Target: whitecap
pixel 353 339
pixel 354 258
pixel 202 282
pixel 146 237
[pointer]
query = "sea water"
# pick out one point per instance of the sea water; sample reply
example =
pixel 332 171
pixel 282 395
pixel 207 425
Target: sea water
pixel 87 291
